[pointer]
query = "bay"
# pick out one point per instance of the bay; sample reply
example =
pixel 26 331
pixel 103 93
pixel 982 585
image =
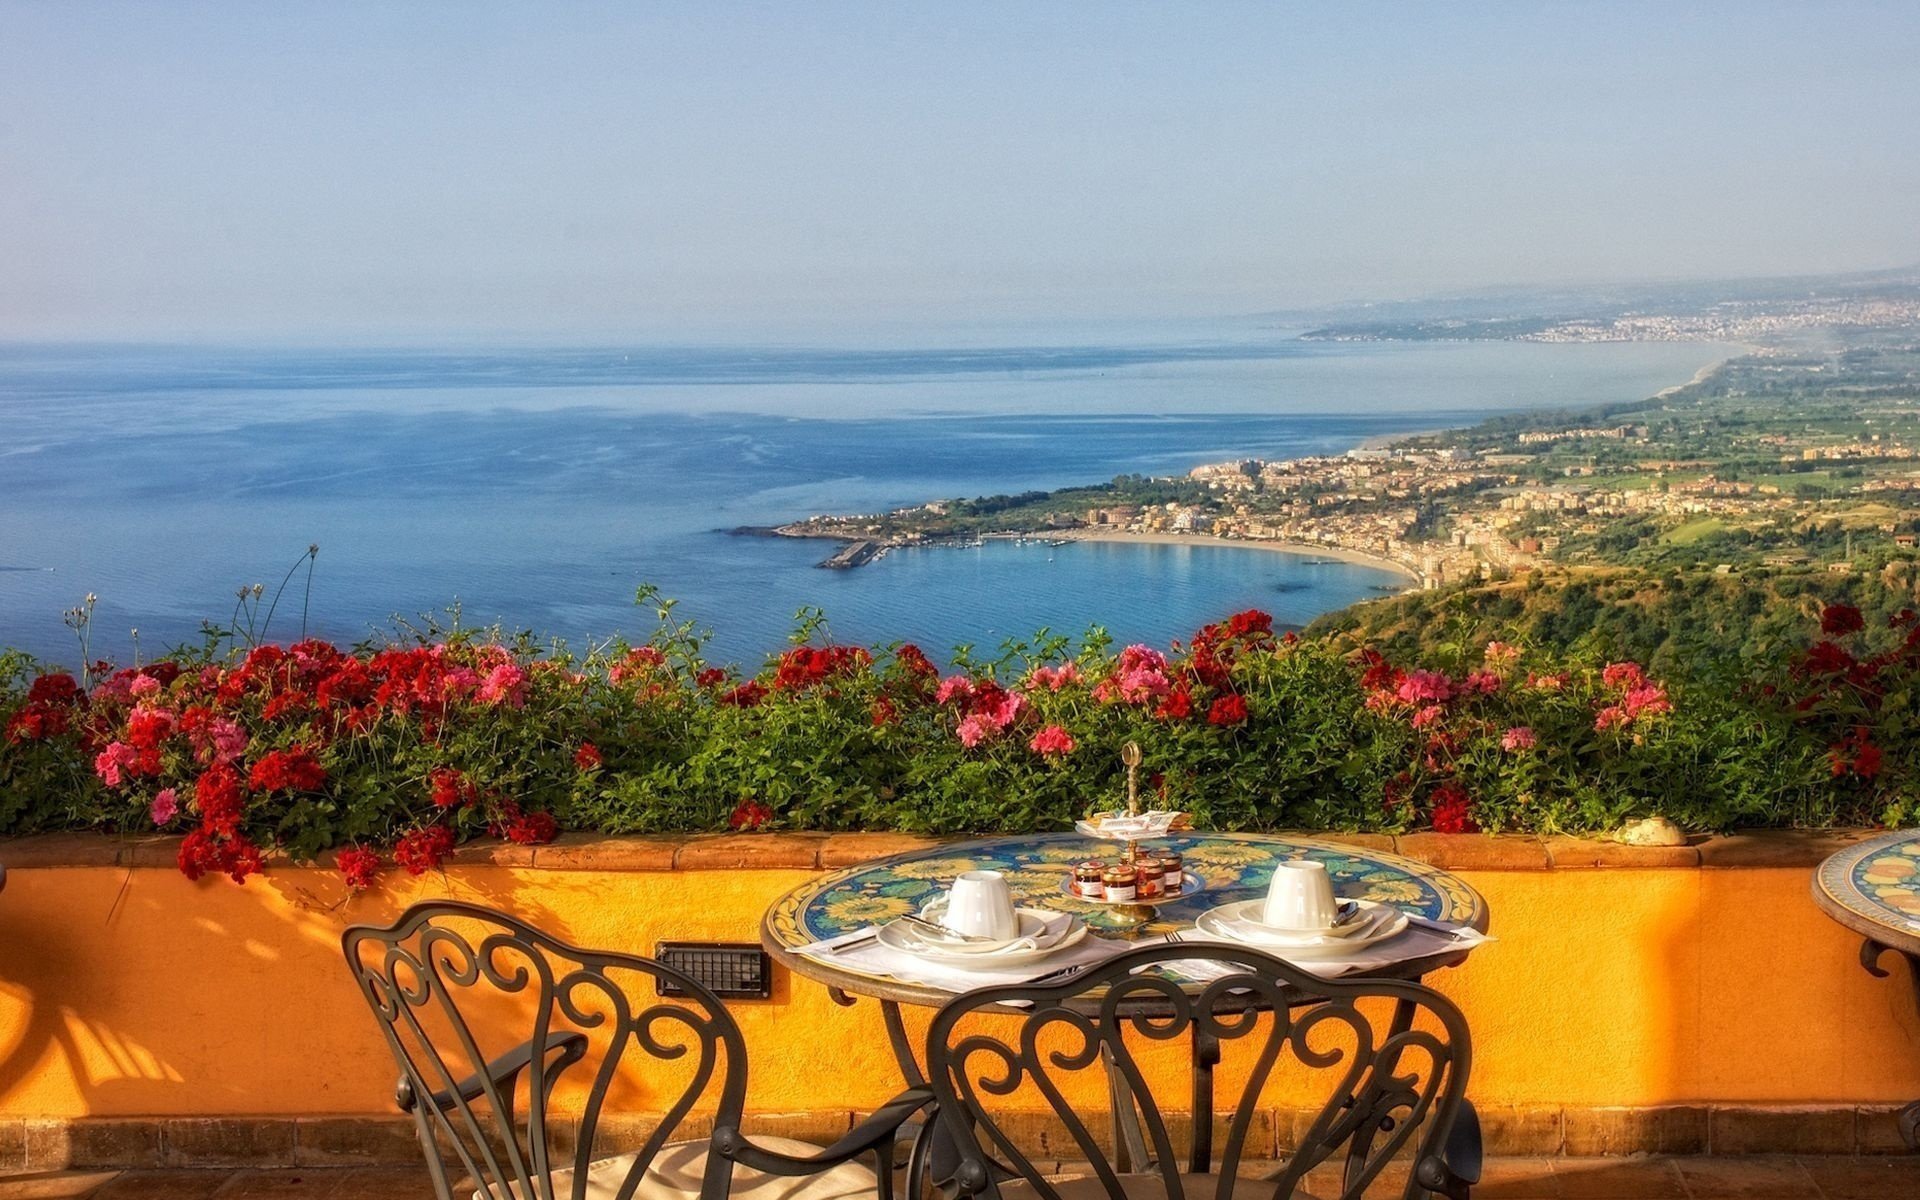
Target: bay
pixel 539 488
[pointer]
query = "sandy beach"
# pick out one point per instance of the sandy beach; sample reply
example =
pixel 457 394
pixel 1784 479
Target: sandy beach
pixel 1304 549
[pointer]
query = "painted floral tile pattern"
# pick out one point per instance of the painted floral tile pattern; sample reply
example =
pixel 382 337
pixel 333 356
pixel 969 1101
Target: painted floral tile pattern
pixel 1885 875
pixel 1235 867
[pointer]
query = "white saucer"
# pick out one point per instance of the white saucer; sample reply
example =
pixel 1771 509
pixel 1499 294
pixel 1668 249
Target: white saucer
pixel 987 955
pixel 1240 923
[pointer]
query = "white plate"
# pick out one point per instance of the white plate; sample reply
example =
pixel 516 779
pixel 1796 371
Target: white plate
pixel 1249 915
pixel 1230 922
pixel 907 940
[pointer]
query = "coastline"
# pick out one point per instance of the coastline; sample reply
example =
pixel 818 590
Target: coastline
pixel 1276 546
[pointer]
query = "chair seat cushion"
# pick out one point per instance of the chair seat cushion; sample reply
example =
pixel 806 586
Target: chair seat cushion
pixel 1144 1187
pixel 676 1172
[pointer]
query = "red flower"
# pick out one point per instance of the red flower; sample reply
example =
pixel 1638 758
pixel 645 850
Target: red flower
pixel 1178 705
pixel 587 757
pixel 148 727
pixel 915 662
pixel 1229 709
pixel 1827 658
pixel 710 677
pixel 532 829
pixel 53 689
pixel 294 770
pixel 883 712
pixel 424 849
pixel 804 667
pixel 217 795
pixel 747 695
pixel 1250 624
pixel 1452 811
pixel 449 788
pixel 1856 753
pixel 360 866
pixel 749 815
pixel 1838 620
pixel 204 852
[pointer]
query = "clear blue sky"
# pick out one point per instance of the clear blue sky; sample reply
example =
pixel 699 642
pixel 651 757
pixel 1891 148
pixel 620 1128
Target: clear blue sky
pixel 656 172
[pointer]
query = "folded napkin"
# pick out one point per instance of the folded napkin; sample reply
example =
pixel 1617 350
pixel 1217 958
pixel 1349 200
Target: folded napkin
pixel 873 958
pixel 1150 823
pixel 1421 939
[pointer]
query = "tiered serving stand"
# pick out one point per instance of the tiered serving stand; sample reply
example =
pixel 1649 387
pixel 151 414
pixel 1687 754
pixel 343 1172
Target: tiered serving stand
pixel 1139 910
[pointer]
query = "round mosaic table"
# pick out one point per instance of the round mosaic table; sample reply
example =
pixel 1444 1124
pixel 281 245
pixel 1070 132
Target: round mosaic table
pixel 1236 866
pixel 1873 888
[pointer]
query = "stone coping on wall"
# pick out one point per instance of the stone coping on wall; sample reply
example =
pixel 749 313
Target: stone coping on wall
pixel 1784 848
pixel 30 1144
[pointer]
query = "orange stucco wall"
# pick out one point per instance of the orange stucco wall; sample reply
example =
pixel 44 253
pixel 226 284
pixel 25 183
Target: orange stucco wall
pixel 130 991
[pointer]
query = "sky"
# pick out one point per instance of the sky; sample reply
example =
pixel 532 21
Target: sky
pixel 676 172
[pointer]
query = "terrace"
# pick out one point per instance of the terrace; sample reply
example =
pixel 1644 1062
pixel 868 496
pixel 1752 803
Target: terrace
pixel 1685 1018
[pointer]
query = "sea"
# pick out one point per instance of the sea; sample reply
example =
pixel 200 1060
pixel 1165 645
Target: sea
pixel 538 489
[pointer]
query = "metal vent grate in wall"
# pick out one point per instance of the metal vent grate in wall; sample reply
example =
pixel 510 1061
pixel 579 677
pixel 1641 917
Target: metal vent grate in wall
pixel 730 970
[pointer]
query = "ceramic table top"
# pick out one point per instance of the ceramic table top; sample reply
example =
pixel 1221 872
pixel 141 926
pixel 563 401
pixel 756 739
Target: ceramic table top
pixel 1236 866
pixel 1874 888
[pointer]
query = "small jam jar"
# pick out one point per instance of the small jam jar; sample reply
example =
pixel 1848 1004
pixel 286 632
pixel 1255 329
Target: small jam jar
pixel 1149 875
pixel 1121 883
pixel 1089 880
pixel 1173 874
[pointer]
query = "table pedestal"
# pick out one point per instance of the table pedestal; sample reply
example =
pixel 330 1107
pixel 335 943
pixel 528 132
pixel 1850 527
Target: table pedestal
pixel 1870 954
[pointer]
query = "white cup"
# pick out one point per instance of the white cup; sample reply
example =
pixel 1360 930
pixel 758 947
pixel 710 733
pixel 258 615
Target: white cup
pixel 980 904
pixel 1301 897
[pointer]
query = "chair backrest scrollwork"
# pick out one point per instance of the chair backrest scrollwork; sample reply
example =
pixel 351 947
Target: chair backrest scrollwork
pixel 484 1013
pixel 1378 1066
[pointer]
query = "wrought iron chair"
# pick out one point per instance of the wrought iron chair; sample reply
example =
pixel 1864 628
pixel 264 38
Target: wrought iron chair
pixel 483 1011
pixel 1385 1061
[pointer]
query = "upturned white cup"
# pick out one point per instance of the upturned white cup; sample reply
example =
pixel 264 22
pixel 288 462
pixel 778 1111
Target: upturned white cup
pixel 1301 897
pixel 980 904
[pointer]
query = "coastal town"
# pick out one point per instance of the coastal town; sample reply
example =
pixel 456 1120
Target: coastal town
pixel 1777 460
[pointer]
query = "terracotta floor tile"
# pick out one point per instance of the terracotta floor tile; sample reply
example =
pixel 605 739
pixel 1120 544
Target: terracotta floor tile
pixel 1619 1179
pixel 387 1183
pixel 1865 1178
pixel 303 1184
pixel 1755 1178
pixel 164 1185
pixel 55 1185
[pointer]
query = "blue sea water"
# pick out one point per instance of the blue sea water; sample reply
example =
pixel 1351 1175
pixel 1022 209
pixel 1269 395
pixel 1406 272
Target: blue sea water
pixel 539 488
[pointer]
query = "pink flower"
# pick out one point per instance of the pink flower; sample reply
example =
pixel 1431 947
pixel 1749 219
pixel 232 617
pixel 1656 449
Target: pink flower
pixel 975 729
pixel 1501 654
pixel 1623 675
pixel 1520 737
pixel 1547 683
pixel 226 740
pixel 1140 676
pixel 954 687
pixel 456 682
pixel 1485 683
pixel 1611 717
pixel 145 685
pixel 1053 742
pixel 111 763
pixel 1646 700
pixel 1430 715
pixel 1054 678
pixel 1430 687
pixel 1003 713
pixel 505 684
pixel 166 806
